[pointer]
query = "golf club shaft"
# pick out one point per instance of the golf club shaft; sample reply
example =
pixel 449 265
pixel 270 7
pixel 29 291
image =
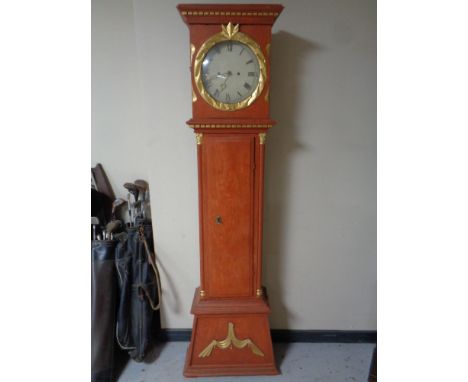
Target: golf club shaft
pixel 129 209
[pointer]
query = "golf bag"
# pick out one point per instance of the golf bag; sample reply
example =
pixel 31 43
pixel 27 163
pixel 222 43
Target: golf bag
pixel 139 290
pixel 103 298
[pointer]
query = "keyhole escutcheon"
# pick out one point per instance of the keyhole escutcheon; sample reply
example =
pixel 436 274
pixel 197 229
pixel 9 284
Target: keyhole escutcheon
pixel 219 220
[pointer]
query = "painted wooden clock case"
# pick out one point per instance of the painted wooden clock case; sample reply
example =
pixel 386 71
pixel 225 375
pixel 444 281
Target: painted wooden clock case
pixel 231 332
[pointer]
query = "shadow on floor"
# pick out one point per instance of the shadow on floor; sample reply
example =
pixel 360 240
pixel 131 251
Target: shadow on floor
pixel 280 349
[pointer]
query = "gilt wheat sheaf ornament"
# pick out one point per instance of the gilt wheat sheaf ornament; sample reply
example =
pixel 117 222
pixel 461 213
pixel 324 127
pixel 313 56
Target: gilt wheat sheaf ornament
pixel 228 342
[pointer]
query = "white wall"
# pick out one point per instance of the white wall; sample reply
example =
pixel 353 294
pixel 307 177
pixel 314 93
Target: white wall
pixel 320 207
pixel 118 134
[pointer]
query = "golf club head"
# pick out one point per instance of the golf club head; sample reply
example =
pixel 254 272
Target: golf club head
pixel 116 204
pixel 113 226
pixel 132 189
pixel 142 186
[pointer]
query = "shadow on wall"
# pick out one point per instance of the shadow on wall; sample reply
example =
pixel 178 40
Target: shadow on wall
pixel 287 55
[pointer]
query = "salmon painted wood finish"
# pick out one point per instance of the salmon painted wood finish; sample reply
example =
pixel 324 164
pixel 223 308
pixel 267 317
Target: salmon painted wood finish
pixel 230 74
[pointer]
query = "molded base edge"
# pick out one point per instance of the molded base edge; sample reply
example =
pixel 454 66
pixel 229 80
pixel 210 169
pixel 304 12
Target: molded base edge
pixel 226 371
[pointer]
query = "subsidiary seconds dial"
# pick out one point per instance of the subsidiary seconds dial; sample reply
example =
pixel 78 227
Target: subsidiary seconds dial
pixel 230 72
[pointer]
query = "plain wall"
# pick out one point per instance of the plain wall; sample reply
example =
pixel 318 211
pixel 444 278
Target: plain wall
pixel 320 191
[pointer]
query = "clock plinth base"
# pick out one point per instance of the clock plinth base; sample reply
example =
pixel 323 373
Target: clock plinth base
pixel 230 337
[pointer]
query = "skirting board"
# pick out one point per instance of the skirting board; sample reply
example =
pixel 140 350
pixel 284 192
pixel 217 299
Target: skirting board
pixel 285 335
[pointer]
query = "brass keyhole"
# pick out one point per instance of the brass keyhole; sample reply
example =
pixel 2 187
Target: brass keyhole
pixel 219 220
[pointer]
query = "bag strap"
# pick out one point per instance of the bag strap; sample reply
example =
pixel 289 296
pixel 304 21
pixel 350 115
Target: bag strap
pixel 152 262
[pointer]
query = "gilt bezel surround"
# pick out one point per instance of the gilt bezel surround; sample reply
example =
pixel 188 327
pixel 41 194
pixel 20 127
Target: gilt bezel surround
pixel 229 32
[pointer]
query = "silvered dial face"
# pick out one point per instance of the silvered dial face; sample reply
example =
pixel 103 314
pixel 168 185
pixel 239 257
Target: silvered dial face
pixel 230 72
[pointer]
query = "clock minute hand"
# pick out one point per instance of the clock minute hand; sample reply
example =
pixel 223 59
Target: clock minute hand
pixel 223 85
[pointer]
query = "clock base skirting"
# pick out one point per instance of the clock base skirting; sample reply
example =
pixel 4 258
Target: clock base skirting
pixel 230 337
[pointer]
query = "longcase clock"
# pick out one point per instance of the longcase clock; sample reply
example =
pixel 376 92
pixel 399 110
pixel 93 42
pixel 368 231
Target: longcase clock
pixel 230 74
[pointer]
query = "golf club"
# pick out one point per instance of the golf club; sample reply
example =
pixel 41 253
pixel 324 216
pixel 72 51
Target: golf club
pixel 129 204
pixel 138 207
pixel 111 227
pixel 115 205
pixel 94 223
pixel 143 188
pixel 132 189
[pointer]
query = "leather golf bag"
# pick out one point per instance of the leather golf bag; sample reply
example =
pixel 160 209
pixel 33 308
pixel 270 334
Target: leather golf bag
pixel 103 301
pixel 139 290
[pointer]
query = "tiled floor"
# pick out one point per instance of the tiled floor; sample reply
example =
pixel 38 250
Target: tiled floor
pixel 310 362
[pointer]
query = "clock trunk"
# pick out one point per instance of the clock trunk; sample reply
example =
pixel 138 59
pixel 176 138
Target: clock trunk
pixel 227 191
pixel 231 332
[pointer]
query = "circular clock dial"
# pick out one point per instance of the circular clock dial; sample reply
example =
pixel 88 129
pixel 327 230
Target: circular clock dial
pixel 230 72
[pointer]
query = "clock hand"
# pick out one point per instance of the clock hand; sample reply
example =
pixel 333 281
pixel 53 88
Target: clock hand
pixel 223 86
pixel 224 75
